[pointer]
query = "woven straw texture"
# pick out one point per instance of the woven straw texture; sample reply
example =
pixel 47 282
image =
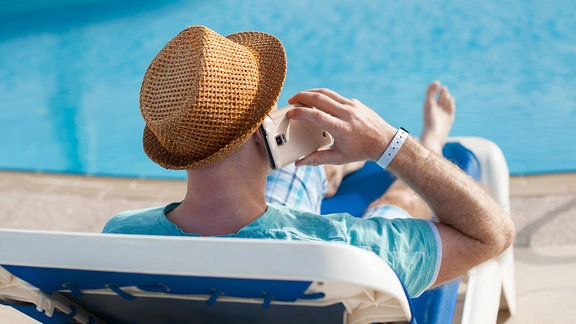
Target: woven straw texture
pixel 204 95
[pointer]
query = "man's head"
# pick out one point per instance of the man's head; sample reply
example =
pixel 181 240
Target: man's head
pixel 204 95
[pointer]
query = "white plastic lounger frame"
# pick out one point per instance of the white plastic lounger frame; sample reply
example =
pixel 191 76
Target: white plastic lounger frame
pixel 15 290
pixel 334 274
pixel 366 286
pixel 494 279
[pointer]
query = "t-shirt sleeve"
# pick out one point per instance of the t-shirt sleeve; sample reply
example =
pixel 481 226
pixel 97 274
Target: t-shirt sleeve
pixel 412 247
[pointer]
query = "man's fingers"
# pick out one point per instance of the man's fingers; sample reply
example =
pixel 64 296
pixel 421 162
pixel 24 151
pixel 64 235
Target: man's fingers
pixel 322 99
pixel 332 95
pixel 315 117
pixel 321 157
pixel 358 131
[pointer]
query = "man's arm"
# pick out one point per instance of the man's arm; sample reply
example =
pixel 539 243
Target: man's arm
pixel 473 227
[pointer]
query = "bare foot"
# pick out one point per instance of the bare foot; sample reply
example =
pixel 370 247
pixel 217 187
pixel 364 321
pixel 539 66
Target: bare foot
pixel 335 174
pixel 439 111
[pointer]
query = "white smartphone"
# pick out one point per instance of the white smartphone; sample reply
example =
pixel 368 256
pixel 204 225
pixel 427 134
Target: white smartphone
pixel 290 140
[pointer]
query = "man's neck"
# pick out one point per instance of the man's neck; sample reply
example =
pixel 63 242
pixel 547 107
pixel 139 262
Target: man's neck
pixel 220 201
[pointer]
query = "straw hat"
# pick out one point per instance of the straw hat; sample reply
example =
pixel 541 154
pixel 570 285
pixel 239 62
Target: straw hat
pixel 204 95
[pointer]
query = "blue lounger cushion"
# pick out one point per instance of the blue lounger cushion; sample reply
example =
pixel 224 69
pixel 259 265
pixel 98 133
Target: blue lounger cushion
pixel 173 310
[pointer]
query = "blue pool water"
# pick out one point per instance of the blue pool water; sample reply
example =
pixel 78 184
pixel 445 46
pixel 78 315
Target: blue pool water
pixel 70 71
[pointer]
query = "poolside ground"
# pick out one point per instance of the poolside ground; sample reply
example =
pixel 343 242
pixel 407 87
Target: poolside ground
pixel 542 207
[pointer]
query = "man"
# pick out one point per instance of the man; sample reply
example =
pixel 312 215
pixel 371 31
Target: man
pixel 203 98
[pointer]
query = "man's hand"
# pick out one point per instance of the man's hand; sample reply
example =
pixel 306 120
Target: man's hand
pixel 359 132
pixel 472 226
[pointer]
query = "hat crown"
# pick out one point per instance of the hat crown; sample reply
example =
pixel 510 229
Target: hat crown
pixel 203 93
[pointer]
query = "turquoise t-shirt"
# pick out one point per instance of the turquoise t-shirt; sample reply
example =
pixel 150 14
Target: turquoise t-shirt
pixel 410 246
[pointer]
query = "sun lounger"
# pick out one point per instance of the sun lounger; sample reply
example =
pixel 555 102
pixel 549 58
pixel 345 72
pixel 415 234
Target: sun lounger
pixel 56 277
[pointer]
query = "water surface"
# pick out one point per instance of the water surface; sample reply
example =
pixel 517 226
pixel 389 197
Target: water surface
pixel 70 71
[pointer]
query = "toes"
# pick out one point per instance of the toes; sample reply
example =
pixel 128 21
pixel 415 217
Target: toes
pixel 442 97
pixel 432 89
pixel 446 100
pixel 452 103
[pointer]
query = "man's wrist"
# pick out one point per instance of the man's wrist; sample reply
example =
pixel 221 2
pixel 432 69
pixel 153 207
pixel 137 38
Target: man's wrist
pixel 393 148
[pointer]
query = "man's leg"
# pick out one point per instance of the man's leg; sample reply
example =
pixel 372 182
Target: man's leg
pixel 439 110
pixel 335 174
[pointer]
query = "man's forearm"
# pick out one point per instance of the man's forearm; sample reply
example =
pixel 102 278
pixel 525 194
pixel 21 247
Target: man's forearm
pixel 455 198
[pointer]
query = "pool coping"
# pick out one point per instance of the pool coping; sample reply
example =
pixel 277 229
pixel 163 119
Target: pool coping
pixel 520 186
pixel 543 207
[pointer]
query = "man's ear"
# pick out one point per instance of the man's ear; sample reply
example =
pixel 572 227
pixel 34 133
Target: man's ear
pixel 257 137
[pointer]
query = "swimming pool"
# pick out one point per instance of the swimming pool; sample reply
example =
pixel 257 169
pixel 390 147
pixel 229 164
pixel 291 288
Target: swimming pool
pixel 70 71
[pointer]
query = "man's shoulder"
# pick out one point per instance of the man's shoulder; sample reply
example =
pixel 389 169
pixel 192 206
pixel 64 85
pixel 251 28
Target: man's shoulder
pixel 138 221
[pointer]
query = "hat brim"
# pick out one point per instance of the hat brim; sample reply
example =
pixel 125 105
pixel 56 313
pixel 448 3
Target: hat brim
pixel 272 62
